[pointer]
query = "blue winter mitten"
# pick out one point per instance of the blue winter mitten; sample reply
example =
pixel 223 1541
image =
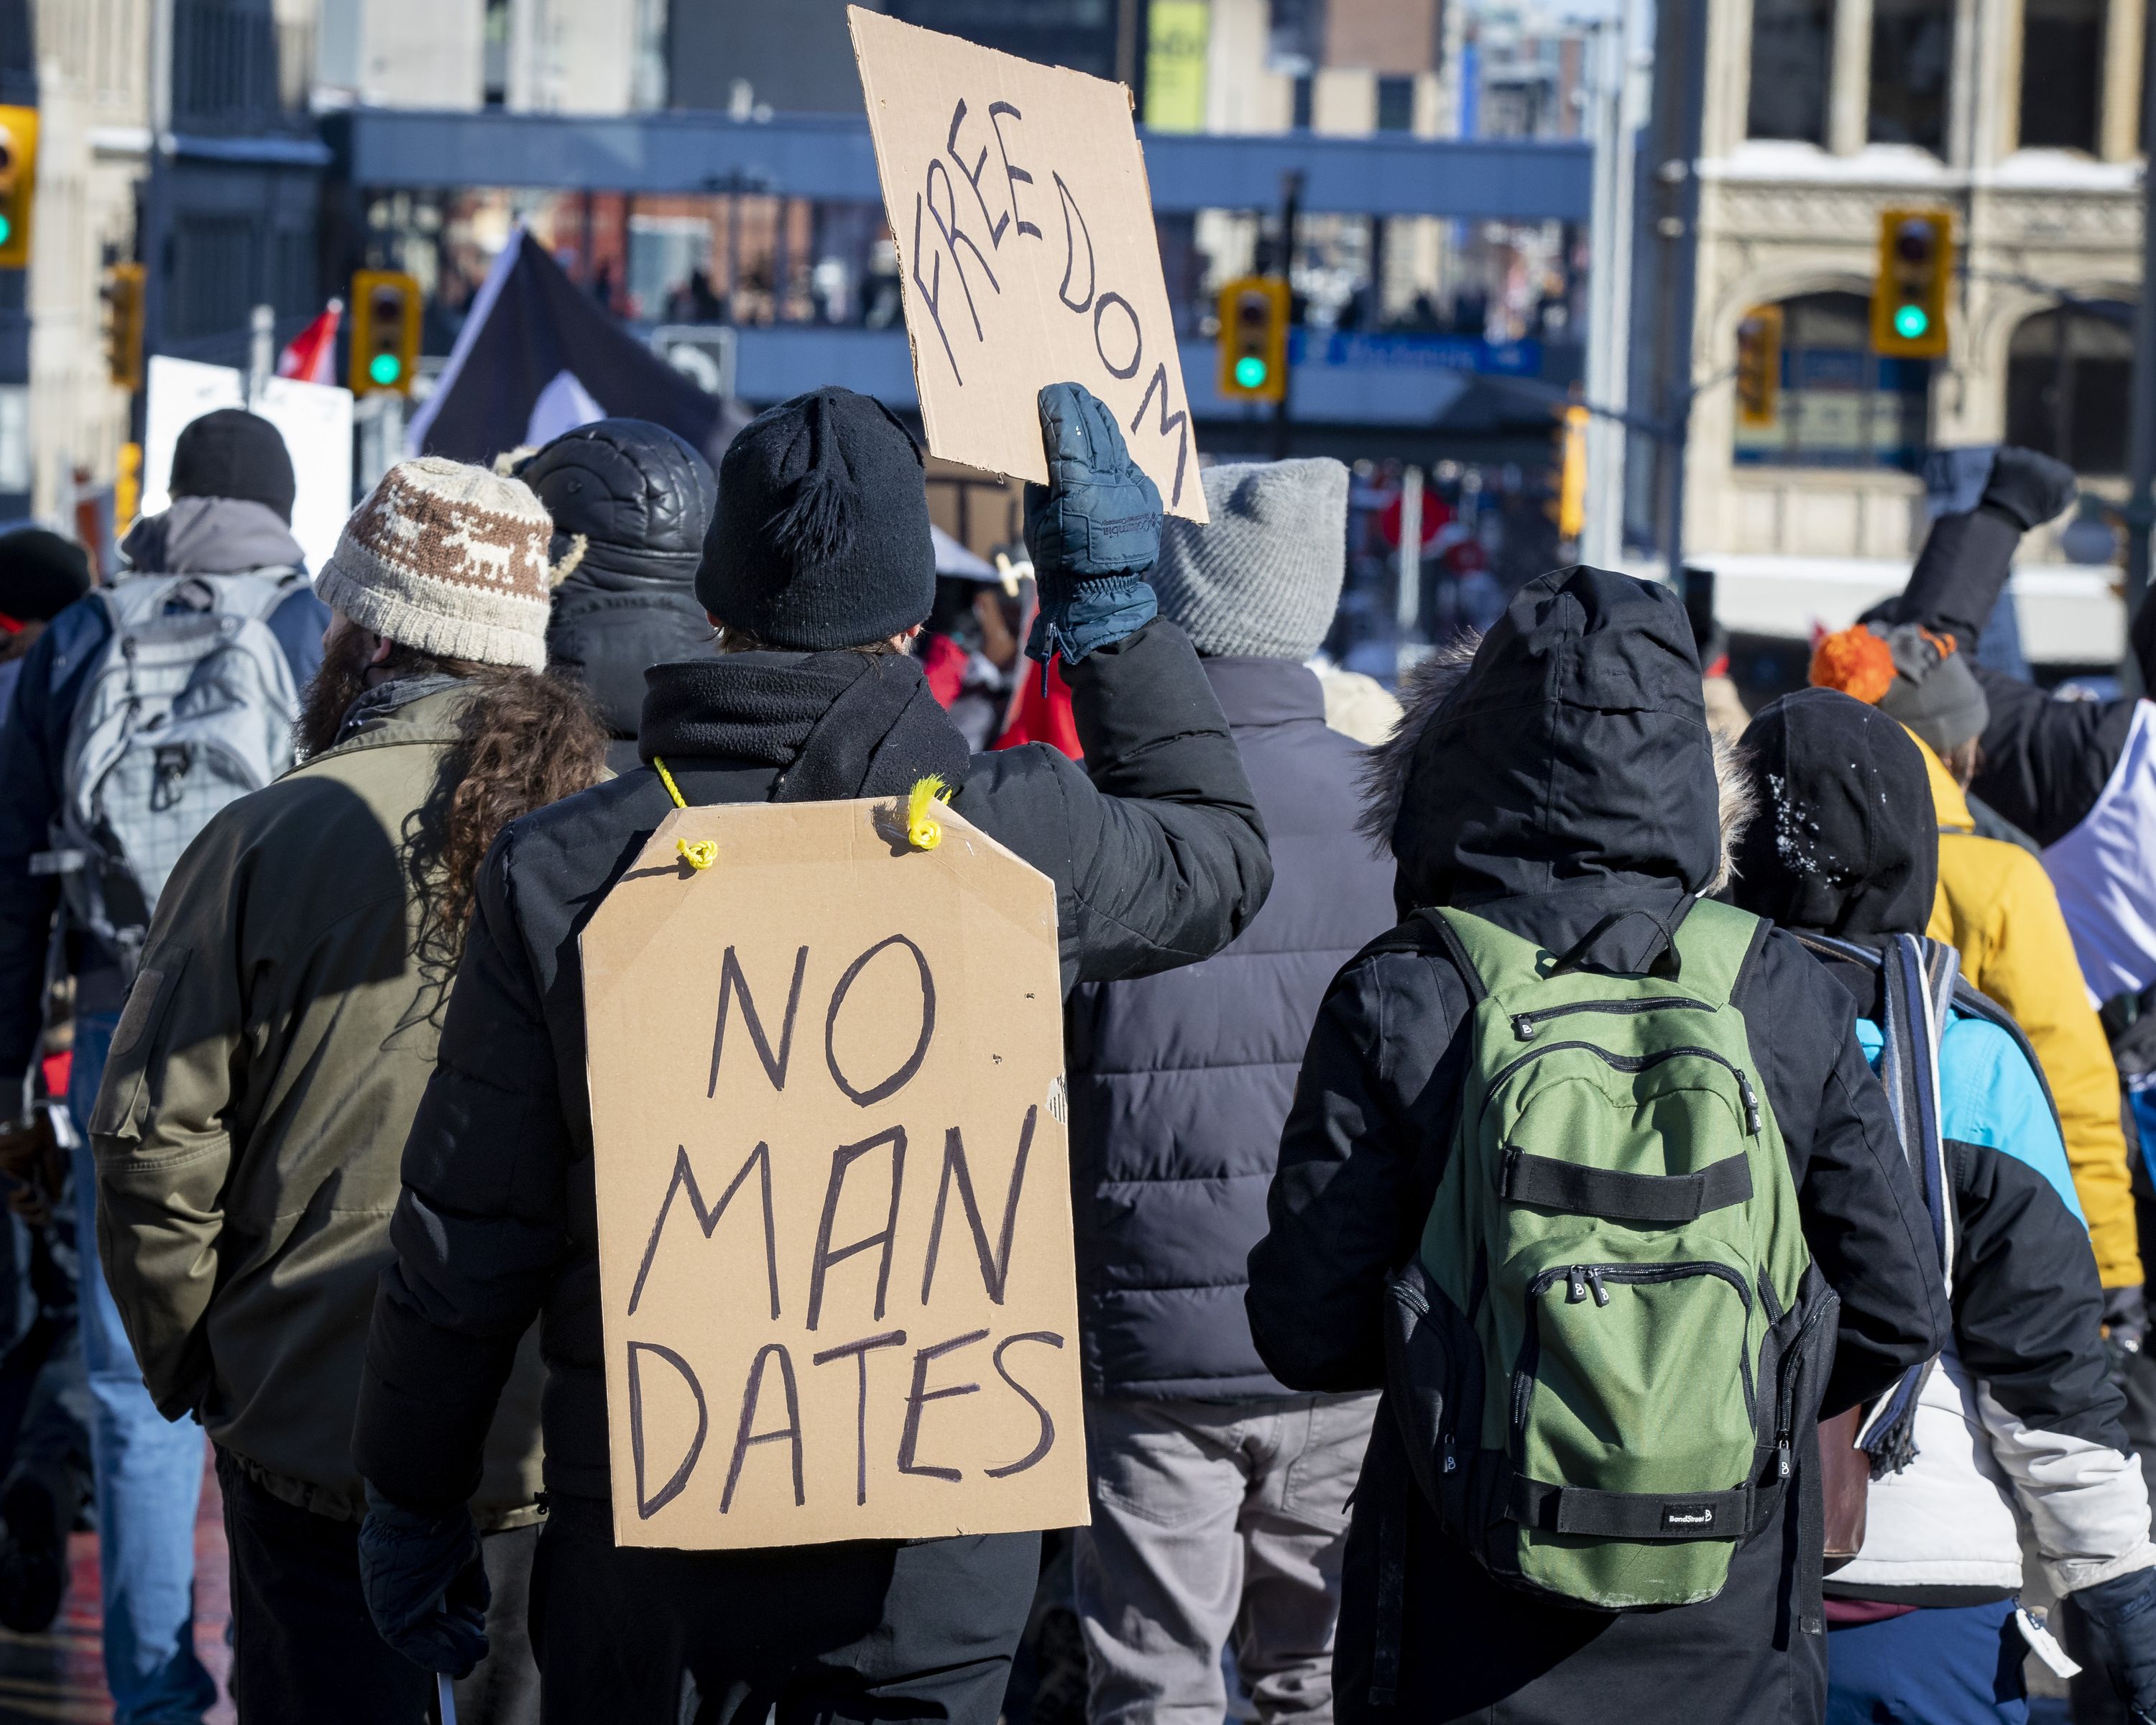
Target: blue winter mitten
pixel 426 1588
pixel 1093 530
pixel 2111 1628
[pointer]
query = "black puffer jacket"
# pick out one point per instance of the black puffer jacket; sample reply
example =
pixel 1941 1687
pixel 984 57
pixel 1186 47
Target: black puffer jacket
pixel 1564 787
pixel 1158 857
pixel 641 498
pixel 1179 1083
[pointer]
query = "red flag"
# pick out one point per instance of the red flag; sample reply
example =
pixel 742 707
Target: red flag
pixel 311 358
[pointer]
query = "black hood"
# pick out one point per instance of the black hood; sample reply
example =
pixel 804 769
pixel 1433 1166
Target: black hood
pixel 1573 750
pixel 640 497
pixel 1845 842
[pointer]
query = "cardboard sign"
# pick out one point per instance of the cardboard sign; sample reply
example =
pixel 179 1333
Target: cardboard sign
pixel 833 1206
pixel 1017 196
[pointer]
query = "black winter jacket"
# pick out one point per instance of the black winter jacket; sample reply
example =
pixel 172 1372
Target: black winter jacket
pixel 2017 1429
pixel 1566 790
pixel 641 498
pixel 1158 856
pixel 1179 1083
pixel 2044 763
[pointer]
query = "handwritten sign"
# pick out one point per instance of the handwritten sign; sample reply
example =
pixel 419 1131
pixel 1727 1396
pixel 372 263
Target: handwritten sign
pixel 1017 196
pixel 834 1210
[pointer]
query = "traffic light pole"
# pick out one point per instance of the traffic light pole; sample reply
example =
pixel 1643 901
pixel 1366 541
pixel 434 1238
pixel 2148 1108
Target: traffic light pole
pixel 1291 213
pixel 2140 423
pixel 1678 117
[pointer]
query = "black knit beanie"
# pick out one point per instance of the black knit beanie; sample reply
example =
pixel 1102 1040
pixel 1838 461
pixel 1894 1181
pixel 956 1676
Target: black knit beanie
pixel 234 453
pixel 821 539
pixel 41 574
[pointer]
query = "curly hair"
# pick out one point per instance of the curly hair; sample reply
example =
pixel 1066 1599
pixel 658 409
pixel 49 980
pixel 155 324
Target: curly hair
pixel 524 739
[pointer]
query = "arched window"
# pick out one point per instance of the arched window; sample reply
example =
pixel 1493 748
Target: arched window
pixel 2069 378
pixel 1840 404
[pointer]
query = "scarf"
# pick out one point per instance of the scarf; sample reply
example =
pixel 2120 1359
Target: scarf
pixel 835 725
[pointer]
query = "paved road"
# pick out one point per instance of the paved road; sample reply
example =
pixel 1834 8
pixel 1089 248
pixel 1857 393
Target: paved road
pixel 59 1676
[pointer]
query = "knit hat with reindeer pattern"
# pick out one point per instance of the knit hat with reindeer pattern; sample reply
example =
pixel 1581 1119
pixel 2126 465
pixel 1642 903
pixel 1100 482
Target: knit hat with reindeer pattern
pixel 450 559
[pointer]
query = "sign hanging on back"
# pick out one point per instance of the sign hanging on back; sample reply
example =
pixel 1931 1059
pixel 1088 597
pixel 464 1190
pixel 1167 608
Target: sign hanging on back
pixel 836 1258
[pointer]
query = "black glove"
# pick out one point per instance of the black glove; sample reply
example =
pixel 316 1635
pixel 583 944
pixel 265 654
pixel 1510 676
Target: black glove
pixel 1093 530
pixel 2111 1630
pixel 2125 1327
pixel 425 1586
pixel 2031 488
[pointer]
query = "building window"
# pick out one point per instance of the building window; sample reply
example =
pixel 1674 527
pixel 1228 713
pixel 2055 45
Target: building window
pixel 2069 373
pixel 1304 98
pixel 1792 50
pixel 2062 73
pixel 1396 104
pixel 1911 65
pixel 1840 404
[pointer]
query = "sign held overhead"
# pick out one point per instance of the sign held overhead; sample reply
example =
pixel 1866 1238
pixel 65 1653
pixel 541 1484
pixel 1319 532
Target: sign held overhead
pixel 835 1256
pixel 1018 199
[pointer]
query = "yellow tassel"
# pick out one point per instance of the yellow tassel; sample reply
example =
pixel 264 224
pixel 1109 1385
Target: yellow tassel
pixel 698 854
pixel 923 831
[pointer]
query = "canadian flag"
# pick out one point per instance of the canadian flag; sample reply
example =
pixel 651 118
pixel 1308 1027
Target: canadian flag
pixel 311 357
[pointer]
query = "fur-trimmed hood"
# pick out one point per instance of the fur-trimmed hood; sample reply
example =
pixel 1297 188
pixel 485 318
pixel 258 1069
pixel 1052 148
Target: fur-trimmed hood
pixel 1569 745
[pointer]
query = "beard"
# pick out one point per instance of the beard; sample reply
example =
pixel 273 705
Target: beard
pixel 329 694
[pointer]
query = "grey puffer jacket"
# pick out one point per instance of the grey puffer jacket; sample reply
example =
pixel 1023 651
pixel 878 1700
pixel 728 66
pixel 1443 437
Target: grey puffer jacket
pixel 1180 1082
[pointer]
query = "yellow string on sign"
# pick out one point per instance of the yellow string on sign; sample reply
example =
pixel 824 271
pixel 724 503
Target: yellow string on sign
pixel 923 831
pixel 700 854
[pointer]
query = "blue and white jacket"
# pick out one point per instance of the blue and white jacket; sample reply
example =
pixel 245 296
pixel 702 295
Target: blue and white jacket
pixel 2019 1423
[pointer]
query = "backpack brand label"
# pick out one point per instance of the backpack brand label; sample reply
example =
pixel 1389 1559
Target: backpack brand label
pixel 1687 1517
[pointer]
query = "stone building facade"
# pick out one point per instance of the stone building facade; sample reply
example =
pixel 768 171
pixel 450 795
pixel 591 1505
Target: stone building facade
pixel 2019 115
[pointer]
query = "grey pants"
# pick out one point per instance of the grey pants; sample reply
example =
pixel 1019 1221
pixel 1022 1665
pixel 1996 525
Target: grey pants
pixel 1214 1520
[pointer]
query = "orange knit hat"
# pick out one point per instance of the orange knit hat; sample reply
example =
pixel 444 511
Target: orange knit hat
pixel 1855 662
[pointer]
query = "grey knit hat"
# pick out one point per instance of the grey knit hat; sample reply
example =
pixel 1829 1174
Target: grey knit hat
pixel 1262 578
pixel 450 559
pixel 1934 693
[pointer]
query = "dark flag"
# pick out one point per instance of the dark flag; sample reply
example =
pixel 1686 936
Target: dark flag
pixel 538 357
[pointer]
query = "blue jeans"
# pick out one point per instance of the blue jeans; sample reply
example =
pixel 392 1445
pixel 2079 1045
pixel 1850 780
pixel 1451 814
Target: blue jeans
pixel 149 1471
pixel 1958 1664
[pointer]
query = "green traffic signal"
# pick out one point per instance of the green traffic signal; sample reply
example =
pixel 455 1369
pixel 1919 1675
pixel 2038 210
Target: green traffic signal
pixel 1251 372
pixel 1910 321
pixel 6 229
pixel 385 368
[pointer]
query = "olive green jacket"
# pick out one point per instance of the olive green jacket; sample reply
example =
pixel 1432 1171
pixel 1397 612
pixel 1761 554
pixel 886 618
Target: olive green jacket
pixel 251 1125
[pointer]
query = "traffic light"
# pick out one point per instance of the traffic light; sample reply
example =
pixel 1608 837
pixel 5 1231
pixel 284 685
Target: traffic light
pixel 385 331
pixel 19 184
pixel 1572 478
pixel 1759 366
pixel 123 325
pixel 1909 292
pixel 1254 314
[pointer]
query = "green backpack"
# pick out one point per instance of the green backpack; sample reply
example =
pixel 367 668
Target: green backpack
pixel 1609 1341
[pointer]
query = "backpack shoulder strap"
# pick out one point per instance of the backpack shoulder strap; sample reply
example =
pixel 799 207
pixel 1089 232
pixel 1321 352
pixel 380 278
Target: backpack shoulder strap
pixel 1713 942
pixel 1428 932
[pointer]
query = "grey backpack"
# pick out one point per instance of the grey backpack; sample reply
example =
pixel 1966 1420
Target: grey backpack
pixel 190 706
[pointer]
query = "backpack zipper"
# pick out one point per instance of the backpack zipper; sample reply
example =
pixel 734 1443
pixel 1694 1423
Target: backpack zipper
pixel 1753 1121
pixel 1582 1278
pixel 1526 1025
pixel 1583 1282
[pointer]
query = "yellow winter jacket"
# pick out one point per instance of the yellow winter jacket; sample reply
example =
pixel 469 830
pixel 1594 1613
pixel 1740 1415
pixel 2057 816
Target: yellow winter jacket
pixel 1997 908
